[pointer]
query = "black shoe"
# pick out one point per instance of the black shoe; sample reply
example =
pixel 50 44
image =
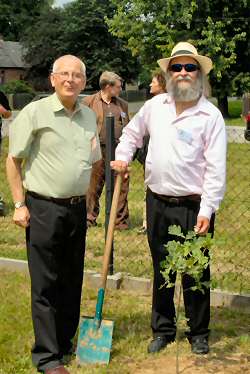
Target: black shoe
pixel 200 345
pixel 158 343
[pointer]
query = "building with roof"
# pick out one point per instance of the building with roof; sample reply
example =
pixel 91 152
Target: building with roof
pixel 12 64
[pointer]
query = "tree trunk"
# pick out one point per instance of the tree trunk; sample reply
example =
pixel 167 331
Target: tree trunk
pixel 223 105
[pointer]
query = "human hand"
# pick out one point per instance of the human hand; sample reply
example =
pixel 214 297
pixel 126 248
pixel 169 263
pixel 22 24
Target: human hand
pixel 2 109
pixel 202 225
pixel 4 112
pixel 120 167
pixel 21 217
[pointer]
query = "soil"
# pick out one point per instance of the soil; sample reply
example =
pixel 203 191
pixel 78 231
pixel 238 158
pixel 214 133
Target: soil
pixel 234 364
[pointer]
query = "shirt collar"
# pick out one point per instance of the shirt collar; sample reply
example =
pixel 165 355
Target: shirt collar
pixel 201 106
pixel 57 104
pixel 113 99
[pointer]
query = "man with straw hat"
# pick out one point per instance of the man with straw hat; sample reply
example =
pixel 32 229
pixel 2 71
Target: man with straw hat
pixel 185 179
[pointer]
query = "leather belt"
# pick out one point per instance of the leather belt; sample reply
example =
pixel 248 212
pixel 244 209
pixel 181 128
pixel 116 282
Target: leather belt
pixel 63 201
pixel 177 200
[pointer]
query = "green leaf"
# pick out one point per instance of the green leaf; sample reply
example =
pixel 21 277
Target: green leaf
pixel 175 231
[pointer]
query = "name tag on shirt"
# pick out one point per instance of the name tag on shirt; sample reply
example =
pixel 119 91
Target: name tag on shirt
pixel 123 114
pixel 185 136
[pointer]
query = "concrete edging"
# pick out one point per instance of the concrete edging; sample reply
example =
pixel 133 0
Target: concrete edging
pixel 138 285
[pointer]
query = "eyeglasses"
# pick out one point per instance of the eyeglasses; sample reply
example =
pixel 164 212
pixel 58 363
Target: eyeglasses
pixel 188 67
pixel 65 75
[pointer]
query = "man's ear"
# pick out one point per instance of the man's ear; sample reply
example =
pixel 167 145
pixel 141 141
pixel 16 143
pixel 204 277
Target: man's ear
pixel 52 80
pixel 84 83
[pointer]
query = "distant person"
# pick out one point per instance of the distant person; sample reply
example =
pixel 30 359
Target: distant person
pixel 106 101
pixel 185 174
pixel 57 138
pixel 5 112
pixel 157 87
pixel 158 84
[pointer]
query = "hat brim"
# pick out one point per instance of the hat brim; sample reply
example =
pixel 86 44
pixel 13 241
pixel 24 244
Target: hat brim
pixel 204 61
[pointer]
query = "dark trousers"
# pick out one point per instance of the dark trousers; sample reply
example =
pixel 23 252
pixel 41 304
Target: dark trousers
pixel 55 246
pixel 160 215
pixel 97 182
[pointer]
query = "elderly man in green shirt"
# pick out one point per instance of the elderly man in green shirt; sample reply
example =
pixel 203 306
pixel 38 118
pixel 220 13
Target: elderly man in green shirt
pixel 57 139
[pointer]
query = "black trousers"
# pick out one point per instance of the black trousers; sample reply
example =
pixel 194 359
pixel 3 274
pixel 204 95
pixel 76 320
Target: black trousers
pixel 55 246
pixel 160 215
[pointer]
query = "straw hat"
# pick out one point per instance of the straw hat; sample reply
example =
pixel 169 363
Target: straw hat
pixel 186 49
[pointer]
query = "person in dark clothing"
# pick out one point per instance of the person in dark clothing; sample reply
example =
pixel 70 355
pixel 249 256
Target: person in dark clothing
pixel 5 111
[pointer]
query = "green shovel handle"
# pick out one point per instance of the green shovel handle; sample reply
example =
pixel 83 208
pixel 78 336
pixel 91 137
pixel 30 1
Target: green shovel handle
pixel 99 305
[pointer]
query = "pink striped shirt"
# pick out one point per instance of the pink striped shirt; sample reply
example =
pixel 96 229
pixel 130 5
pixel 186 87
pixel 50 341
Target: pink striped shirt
pixel 186 153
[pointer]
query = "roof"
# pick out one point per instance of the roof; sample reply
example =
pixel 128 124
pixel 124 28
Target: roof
pixel 11 55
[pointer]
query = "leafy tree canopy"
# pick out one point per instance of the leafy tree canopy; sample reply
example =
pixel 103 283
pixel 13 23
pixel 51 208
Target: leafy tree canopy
pixel 79 29
pixel 17 15
pixel 218 28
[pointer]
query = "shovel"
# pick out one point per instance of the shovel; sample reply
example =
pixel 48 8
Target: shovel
pixel 95 334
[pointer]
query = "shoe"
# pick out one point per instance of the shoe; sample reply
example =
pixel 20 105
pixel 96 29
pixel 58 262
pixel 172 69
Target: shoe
pixel 58 370
pixel 158 344
pixel 199 345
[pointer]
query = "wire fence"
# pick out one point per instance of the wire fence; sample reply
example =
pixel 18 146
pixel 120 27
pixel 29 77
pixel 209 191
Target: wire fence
pixel 230 261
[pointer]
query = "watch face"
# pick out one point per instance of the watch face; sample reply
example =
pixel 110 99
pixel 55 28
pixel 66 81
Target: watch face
pixel 19 204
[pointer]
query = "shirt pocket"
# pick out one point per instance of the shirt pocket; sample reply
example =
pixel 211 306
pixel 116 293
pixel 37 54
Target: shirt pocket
pixel 85 145
pixel 190 145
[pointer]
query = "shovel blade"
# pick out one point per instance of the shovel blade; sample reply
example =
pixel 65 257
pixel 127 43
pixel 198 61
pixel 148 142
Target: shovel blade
pixel 94 344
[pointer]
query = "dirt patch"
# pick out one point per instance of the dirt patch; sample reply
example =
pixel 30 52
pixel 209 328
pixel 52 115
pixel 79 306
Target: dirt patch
pixel 233 364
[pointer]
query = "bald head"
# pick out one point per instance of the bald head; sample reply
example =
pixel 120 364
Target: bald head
pixel 68 79
pixel 68 59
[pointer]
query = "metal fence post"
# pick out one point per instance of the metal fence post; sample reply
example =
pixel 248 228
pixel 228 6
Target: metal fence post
pixel 109 177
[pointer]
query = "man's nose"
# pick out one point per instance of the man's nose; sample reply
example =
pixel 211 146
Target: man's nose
pixel 70 77
pixel 183 71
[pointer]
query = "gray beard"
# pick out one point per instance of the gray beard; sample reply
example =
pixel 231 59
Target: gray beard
pixel 191 93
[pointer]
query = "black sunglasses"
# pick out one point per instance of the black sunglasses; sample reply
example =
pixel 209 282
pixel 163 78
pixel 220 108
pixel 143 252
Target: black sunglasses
pixel 188 67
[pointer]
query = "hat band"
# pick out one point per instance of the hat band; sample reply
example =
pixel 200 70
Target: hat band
pixel 182 52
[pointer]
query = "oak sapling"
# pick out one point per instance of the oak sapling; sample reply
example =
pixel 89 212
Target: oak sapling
pixel 186 254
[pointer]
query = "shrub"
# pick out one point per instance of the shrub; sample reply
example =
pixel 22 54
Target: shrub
pixel 17 86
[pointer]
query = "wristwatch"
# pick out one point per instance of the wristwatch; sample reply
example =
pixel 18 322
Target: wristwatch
pixel 19 204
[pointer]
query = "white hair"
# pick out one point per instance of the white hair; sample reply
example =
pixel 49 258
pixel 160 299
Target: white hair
pixel 57 61
pixel 198 87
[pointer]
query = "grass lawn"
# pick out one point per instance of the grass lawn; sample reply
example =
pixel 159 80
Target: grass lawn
pixel 230 341
pixel 235 110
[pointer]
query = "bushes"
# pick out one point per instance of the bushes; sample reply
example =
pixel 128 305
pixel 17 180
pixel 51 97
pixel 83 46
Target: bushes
pixel 20 93
pixel 17 86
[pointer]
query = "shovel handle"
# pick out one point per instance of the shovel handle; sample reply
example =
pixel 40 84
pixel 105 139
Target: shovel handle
pixel 110 232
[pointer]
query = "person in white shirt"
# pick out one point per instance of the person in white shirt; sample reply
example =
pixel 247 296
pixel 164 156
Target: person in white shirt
pixel 185 177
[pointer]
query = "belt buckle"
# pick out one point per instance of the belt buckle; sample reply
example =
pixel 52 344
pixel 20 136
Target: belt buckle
pixel 173 200
pixel 74 200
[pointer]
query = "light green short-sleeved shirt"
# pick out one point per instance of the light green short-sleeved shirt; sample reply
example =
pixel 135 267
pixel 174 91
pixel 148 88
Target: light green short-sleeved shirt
pixel 58 149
